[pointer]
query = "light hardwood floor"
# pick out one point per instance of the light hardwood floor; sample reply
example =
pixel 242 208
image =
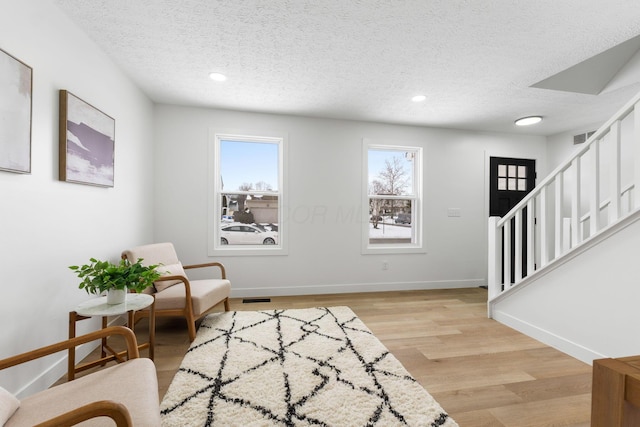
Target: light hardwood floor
pixel 481 372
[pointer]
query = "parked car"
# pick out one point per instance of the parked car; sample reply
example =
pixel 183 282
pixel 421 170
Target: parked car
pixel 247 234
pixel 403 218
pixel 270 227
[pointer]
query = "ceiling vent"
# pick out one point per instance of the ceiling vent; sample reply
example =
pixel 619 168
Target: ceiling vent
pixel 582 137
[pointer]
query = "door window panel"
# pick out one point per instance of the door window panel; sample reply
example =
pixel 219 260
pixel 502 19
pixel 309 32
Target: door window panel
pixel 512 177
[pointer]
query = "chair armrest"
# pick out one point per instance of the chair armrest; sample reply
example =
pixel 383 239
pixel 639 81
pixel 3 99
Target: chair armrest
pixel 102 408
pixel 223 272
pixel 173 277
pixel 126 333
pixel 187 286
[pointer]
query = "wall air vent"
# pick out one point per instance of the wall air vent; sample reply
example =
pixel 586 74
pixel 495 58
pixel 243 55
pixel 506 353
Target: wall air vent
pixel 582 137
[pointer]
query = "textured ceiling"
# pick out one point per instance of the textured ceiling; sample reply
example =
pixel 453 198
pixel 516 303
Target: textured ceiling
pixel 475 60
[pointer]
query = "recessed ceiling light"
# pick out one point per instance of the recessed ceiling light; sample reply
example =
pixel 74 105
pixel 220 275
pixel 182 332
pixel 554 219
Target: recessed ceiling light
pixel 418 98
pixel 526 121
pixel 217 77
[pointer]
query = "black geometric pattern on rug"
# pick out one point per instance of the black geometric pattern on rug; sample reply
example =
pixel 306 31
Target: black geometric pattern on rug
pixel 306 367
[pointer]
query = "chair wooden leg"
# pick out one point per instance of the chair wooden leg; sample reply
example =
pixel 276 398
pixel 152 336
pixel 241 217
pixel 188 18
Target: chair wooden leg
pixel 192 331
pixel 227 307
pixel 191 325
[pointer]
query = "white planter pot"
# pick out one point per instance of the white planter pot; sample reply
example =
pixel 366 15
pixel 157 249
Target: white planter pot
pixel 116 296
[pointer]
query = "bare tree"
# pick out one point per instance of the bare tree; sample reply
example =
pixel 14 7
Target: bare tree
pixel 376 187
pixel 392 180
pixel 394 177
pixel 263 186
pixel 245 186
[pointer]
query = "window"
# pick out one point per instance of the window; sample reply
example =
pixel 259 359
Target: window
pixel 393 198
pixel 247 195
pixel 512 177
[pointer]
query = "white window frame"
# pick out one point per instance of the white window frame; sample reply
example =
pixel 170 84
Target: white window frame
pixel 215 192
pixel 416 246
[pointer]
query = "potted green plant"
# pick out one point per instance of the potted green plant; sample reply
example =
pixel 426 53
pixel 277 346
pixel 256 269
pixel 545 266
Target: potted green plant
pixel 100 276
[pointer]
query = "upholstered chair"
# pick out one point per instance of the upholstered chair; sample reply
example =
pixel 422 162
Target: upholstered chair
pixel 127 392
pixel 176 295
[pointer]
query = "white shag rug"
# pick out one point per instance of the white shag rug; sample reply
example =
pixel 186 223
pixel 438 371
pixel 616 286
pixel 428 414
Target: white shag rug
pixel 298 367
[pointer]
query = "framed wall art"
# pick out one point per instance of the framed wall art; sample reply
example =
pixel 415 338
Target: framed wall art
pixel 87 142
pixel 16 84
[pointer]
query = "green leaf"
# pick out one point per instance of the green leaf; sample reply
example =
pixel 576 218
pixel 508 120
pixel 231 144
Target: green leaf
pixel 99 276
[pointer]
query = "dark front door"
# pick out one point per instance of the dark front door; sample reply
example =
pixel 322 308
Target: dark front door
pixel 510 180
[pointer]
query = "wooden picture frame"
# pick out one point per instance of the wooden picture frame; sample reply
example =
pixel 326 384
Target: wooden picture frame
pixel 87 143
pixel 16 85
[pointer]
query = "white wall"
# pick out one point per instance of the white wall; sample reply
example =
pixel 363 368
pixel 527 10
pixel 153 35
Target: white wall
pixel 560 146
pixel 47 225
pixel 588 306
pixel 325 181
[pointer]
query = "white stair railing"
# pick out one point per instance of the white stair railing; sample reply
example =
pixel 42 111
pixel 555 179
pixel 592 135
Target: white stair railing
pixel 577 201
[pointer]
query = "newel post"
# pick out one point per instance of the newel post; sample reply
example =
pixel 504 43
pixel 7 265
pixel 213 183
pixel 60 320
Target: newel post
pixel 494 269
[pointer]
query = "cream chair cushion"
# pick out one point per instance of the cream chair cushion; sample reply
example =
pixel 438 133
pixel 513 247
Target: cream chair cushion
pixel 133 381
pixel 204 294
pixel 8 405
pixel 169 270
pixel 156 253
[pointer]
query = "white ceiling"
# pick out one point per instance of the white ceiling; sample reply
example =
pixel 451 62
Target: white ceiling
pixel 475 60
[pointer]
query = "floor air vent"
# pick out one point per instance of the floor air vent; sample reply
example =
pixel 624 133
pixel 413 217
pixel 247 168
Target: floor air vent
pixel 252 300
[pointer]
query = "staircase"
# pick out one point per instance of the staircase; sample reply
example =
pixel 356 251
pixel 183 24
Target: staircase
pixel 582 204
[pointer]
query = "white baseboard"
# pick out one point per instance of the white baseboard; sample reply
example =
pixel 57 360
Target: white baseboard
pixel 354 288
pixel 569 347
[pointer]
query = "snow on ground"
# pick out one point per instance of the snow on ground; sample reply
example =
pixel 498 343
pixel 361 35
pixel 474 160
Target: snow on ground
pixel 389 231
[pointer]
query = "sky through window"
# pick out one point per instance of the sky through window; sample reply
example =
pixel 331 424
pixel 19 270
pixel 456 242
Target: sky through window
pixel 248 162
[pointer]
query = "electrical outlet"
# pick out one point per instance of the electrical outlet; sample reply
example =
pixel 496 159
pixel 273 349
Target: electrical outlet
pixel 385 265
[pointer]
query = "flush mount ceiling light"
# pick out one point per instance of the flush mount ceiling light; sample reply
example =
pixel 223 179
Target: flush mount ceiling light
pixel 218 77
pixel 530 120
pixel 418 98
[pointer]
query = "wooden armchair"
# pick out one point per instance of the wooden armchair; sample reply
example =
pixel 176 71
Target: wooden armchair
pixel 175 294
pixel 126 394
